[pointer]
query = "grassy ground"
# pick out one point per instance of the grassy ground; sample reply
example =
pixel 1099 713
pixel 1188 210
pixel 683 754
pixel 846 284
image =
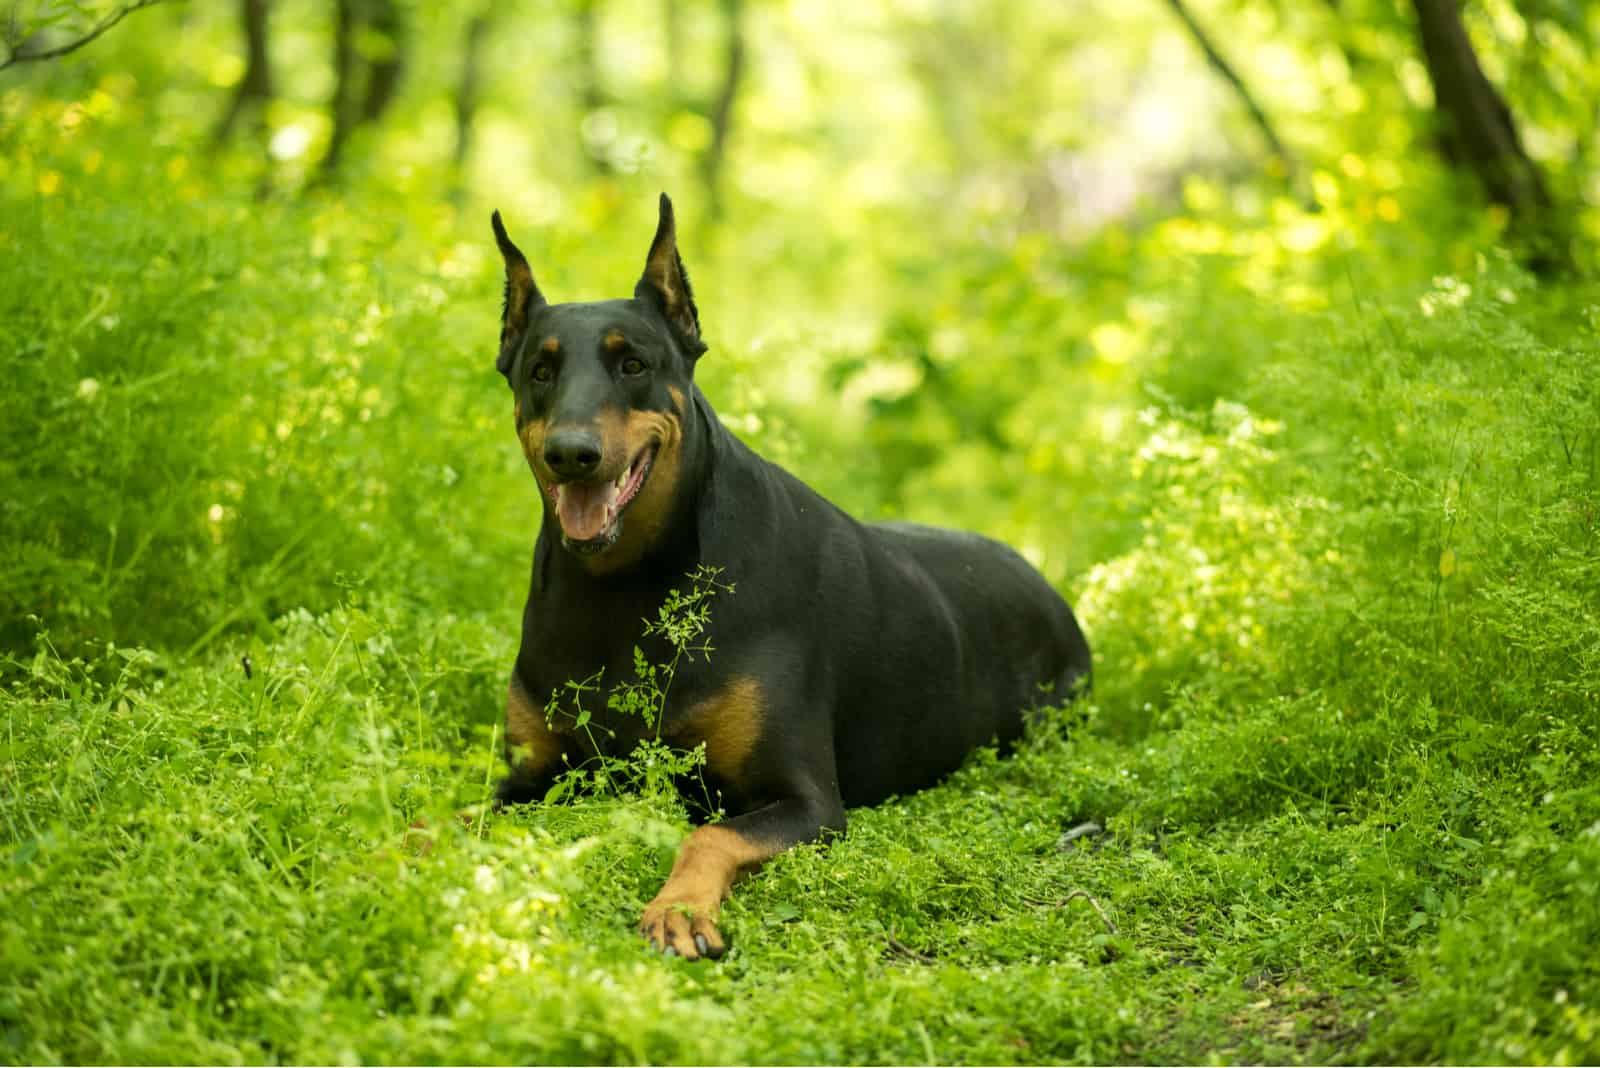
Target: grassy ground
pixel 1326 496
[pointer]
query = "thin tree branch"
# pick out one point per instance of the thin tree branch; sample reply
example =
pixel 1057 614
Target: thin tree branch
pixel 72 46
pixel 1111 928
pixel 1220 64
pixel 722 109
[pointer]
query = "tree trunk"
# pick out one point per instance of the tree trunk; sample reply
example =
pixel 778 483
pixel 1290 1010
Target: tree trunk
pixel 383 71
pixel 591 93
pixel 254 92
pixel 722 109
pixel 672 22
pixel 1354 58
pixel 467 90
pixel 346 22
pixel 364 84
pixel 1476 130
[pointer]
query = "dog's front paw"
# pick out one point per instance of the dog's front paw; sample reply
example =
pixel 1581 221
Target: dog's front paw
pixel 687 928
pixel 513 790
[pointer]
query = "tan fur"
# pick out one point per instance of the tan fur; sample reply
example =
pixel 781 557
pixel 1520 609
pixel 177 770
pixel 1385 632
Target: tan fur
pixel 519 287
pixel 708 862
pixel 622 437
pixel 661 268
pixel 614 342
pixel 729 722
pixel 550 346
pixel 533 746
pixel 531 434
pixel 647 514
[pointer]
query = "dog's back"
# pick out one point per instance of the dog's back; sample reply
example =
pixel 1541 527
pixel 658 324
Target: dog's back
pixel 923 643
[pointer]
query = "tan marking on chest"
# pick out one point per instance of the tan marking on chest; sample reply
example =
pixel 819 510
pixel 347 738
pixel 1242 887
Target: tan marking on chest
pixel 530 743
pixel 729 722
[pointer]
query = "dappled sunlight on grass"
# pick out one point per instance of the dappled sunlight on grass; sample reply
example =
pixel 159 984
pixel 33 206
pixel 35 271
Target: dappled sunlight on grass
pixel 1316 463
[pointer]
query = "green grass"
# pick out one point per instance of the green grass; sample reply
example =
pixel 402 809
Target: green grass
pixel 1331 518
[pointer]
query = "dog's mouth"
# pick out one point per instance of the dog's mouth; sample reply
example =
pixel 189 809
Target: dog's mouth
pixel 590 513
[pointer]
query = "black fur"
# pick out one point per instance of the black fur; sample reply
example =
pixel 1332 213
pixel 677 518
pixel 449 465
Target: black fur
pixel 879 655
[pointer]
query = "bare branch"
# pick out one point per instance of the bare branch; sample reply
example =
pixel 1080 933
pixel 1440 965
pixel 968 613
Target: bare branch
pixel 1220 64
pixel 1111 928
pixel 100 27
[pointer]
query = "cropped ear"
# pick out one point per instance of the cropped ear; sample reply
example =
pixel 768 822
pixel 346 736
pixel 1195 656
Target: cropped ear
pixel 666 282
pixel 522 296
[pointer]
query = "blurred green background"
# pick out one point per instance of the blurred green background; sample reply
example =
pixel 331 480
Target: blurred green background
pixel 939 247
pixel 1266 329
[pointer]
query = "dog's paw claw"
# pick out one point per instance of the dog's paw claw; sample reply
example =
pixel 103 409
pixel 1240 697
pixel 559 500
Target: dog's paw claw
pixel 675 932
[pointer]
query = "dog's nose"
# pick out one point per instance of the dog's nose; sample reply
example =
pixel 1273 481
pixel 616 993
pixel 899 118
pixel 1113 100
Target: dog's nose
pixel 572 453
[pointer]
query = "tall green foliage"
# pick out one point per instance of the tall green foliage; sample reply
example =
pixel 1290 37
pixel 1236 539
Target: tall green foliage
pixel 1320 470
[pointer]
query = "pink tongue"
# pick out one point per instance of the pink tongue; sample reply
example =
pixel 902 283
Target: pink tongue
pixel 583 507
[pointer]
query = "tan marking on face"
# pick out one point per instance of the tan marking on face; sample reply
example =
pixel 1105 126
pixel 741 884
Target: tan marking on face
pixel 530 743
pixel 624 436
pixel 708 862
pixel 550 346
pixel 614 342
pixel 729 722
pixel 532 434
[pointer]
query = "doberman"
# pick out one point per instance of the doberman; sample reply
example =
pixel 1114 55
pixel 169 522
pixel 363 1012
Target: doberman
pixel 853 662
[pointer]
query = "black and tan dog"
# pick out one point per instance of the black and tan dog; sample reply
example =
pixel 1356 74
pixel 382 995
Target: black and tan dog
pixel 853 662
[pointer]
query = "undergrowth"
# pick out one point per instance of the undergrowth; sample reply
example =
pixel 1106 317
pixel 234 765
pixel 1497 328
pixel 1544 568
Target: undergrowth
pixel 1330 514
pixel 652 768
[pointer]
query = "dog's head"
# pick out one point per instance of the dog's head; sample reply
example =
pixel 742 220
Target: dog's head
pixel 603 393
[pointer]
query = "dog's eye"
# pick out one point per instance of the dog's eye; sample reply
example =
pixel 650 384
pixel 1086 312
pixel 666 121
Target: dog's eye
pixel 633 366
pixel 543 372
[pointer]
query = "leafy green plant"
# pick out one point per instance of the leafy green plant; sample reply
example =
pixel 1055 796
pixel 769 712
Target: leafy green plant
pixel 1324 487
pixel 652 767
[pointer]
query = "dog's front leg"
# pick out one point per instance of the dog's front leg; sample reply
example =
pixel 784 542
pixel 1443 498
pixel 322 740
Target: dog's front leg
pixel 682 918
pixel 533 750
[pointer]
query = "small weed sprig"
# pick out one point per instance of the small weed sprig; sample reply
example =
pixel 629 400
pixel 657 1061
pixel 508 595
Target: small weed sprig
pixel 652 767
pixel 681 622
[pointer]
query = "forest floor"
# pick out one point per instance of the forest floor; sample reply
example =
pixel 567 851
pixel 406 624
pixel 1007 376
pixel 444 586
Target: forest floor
pixel 1329 510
